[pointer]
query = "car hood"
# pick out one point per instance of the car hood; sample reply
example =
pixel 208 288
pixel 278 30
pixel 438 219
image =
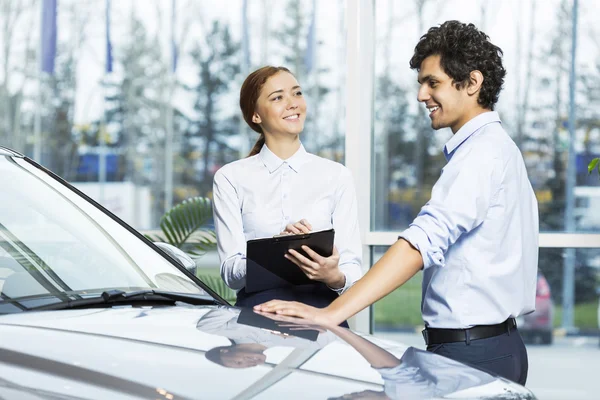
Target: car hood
pixel 177 353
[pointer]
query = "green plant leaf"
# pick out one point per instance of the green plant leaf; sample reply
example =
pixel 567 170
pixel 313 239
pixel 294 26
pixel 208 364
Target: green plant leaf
pixel 184 226
pixel 217 284
pixel 595 162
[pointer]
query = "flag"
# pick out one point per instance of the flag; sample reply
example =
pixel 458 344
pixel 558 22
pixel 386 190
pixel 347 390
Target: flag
pixel 309 56
pixel 48 36
pixel 245 38
pixel 109 59
pixel 173 42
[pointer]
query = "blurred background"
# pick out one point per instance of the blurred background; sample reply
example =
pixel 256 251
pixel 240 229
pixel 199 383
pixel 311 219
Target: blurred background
pixel 136 103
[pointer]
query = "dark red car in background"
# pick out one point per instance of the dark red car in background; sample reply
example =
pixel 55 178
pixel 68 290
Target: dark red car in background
pixel 537 327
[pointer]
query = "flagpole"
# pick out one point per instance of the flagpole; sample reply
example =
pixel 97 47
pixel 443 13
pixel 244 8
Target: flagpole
pixel 244 132
pixel 46 55
pixel 103 127
pixel 571 182
pixel 315 72
pixel 169 148
pixel 169 117
pixel 312 74
pixel 37 122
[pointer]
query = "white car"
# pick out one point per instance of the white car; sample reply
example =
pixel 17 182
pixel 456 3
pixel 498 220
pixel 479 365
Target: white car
pixel 90 309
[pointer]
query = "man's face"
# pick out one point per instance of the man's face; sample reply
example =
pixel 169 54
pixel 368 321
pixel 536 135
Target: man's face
pixel 365 395
pixel 234 358
pixel 448 106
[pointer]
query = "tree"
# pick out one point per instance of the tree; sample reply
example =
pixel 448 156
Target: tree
pixel 300 48
pixel 61 145
pixel 524 91
pixel 392 148
pixel 133 103
pixel 135 111
pixel 427 167
pixel 13 15
pixel 552 213
pixel 208 130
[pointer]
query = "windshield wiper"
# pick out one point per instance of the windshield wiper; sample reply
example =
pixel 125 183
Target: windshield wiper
pixel 111 297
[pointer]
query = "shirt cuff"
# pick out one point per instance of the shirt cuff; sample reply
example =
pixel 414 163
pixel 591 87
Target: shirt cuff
pixel 420 241
pixel 346 286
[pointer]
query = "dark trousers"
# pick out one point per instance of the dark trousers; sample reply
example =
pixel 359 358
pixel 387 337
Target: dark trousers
pixel 504 355
pixel 316 295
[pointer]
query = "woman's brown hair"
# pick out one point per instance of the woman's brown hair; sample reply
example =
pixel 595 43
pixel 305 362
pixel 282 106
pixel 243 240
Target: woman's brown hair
pixel 249 94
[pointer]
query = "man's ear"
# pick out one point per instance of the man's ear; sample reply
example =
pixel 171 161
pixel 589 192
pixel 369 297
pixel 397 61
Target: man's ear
pixel 475 82
pixel 256 118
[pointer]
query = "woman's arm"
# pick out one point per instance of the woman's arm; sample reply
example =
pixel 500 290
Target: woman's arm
pixel 229 228
pixel 347 232
pixel 343 268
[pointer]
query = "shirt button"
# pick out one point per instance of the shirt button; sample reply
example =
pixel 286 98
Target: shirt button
pixel 285 196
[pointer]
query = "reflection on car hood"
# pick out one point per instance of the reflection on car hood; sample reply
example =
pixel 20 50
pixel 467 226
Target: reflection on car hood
pixel 217 353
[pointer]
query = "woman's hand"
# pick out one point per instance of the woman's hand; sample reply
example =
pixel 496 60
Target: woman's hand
pixel 302 226
pixel 319 268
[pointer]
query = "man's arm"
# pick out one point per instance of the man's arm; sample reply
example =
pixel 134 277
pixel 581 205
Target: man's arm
pixel 400 263
pixel 375 355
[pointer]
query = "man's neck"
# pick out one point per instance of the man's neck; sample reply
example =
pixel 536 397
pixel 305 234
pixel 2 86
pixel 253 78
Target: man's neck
pixel 472 113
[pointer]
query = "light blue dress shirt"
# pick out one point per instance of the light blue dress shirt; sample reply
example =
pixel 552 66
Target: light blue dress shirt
pixel 478 235
pixel 256 197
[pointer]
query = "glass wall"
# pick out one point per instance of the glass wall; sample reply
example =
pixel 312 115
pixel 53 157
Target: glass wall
pixel 534 106
pixel 402 309
pixel 406 155
pixel 136 101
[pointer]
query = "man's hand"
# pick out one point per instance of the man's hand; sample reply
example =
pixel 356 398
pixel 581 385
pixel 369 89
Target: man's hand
pixel 319 268
pixel 319 316
pixel 295 324
pixel 302 226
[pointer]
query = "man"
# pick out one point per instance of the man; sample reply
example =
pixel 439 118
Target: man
pixel 477 238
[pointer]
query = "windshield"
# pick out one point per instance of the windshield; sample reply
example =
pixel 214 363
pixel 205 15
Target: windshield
pixel 55 245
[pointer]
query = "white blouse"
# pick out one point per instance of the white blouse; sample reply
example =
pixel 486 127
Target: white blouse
pixel 256 197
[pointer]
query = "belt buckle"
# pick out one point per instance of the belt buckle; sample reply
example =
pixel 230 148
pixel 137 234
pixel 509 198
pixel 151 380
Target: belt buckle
pixel 425 336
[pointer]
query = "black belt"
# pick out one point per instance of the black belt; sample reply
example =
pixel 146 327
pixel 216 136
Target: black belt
pixel 438 336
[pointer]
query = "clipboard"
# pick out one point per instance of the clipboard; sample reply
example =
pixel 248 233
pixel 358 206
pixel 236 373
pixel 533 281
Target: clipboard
pixel 266 266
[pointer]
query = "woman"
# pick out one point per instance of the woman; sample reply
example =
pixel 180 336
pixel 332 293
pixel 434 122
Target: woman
pixel 278 183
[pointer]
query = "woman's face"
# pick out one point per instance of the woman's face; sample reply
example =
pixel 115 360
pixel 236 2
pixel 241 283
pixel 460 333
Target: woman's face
pixel 281 108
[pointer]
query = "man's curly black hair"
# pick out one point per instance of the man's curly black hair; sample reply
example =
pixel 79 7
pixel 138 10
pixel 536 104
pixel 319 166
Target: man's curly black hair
pixel 462 49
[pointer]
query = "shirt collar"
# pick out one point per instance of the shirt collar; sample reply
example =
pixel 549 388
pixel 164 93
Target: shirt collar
pixel 272 162
pixel 469 129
